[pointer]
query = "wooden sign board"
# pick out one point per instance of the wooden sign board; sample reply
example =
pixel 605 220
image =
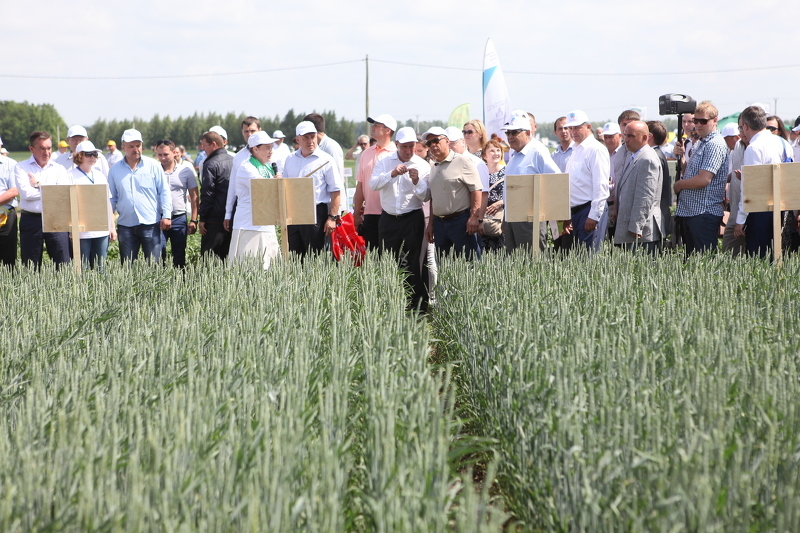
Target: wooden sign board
pixel 757 186
pixel 300 206
pixel 553 197
pixel 91 203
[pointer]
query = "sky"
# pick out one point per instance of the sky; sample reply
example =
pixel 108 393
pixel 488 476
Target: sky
pixel 556 56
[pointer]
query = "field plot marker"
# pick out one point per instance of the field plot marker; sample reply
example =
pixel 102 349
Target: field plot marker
pixel 75 208
pixel 772 188
pixel 281 202
pixel 537 198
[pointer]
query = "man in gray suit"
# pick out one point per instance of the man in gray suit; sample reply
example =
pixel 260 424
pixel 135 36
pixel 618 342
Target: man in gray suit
pixel 639 192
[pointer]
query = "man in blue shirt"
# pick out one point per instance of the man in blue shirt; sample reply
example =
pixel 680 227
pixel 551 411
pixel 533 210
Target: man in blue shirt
pixel 140 194
pixel 530 157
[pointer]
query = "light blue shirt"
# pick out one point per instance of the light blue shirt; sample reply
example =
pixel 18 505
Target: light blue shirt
pixel 7 180
pixel 140 196
pixel 561 157
pixel 534 158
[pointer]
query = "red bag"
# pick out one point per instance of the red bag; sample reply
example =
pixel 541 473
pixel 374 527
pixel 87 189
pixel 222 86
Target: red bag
pixel 345 239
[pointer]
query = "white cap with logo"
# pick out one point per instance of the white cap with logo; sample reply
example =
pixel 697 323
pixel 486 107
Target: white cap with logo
pixel 611 128
pixel 131 135
pixel 576 118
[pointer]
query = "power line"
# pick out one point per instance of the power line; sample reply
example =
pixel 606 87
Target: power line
pixel 177 76
pixel 594 73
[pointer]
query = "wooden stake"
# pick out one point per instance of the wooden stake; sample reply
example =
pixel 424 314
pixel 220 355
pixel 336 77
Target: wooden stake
pixel 777 246
pixel 75 228
pixel 286 221
pixel 536 215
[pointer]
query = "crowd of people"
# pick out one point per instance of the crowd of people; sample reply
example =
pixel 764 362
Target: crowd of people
pixel 416 192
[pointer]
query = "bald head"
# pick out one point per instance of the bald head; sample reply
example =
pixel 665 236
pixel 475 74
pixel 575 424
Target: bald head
pixel 636 134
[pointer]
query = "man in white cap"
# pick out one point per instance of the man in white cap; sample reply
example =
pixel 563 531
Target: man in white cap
pixel 250 126
pixel 140 194
pixel 325 142
pixel 401 181
pixel 589 169
pixel 30 175
pixel 215 180
pixel 456 193
pixel 76 135
pixel 114 155
pixel 247 239
pixel 8 211
pixel 311 161
pixel 281 151
pixel 612 137
pixel 366 201
pixel 529 157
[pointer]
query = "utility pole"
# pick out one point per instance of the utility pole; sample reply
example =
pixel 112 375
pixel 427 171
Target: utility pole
pixel 775 107
pixel 366 117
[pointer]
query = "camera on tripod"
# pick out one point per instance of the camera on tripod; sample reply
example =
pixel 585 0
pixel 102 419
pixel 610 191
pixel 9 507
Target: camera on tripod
pixel 676 104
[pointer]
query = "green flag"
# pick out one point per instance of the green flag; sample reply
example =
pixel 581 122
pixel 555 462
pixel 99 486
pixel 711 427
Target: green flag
pixel 459 116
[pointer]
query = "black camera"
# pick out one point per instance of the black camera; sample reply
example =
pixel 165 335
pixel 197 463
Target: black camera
pixel 676 104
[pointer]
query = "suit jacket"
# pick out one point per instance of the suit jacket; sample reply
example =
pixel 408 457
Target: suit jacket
pixel 666 193
pixel 639 198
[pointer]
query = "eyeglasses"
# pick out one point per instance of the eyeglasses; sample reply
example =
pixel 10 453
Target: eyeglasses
pixel 467 132
pixel 701 121
pixel 772 128
pixel 513 133
pixel 431 142
pixel 90 154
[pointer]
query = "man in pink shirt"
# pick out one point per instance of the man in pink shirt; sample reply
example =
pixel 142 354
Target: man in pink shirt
pixel 366 202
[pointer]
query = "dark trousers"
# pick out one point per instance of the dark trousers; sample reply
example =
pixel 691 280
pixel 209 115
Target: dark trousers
pixel 304 238
pixel 176 235
pixel 8 240
pixel 452 235
pixel 700 232
pixel 758 234
pixel 216 240
pixel 369 229
pixel 590 239
pixel 403 237
pixel 32 240
pixel 144 236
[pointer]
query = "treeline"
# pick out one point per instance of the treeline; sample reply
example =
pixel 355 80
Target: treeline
pixel 19 119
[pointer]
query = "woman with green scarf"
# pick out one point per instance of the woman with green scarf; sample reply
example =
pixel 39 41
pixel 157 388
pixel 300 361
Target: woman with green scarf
pixel 247 239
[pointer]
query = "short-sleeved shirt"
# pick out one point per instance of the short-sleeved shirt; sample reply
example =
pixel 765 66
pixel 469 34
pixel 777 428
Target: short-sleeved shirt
pixel 451 181
pixel 7 178
pixel 326 179
pixel 181 179
pixel 711 154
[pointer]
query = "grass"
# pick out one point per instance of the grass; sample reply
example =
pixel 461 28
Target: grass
pixel 627 394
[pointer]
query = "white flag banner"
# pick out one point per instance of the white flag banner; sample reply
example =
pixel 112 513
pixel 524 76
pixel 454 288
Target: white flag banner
pixel 496 103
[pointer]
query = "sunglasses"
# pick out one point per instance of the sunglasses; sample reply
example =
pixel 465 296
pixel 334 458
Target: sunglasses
pixel 513 133
pixel 467 132
pixel 772 128
pixel 701 121
pixel 362 144
pixel 90 154
pixel 431 142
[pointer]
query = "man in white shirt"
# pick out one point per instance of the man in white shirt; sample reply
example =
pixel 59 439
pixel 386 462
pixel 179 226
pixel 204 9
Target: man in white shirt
pixel 763 148
pixel 589 169
pixel 30 175
pixel 325 143
pixel 76 135
pixel 114 155
pixel 401 180
pixel 311 161
pixel 280 151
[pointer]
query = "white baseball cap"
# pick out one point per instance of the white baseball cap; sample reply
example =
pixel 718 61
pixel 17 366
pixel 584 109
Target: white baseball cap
pixel 611 128
pixel 258 138
pixel 86 146
pixel 796 128
pixel 219 130
pixel 454 134
pixel 517 122
pixel 77 131
pixel 386 120
pixel 131 135
pixel 278 135
pixel 576 118
pixel 520 113
pixel 305 127
pixel 730 129
pixel 405 135
pixel 435 130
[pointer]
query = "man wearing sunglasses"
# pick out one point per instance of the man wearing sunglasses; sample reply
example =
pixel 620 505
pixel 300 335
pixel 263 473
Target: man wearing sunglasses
pixel 701 188
pixel 456 193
